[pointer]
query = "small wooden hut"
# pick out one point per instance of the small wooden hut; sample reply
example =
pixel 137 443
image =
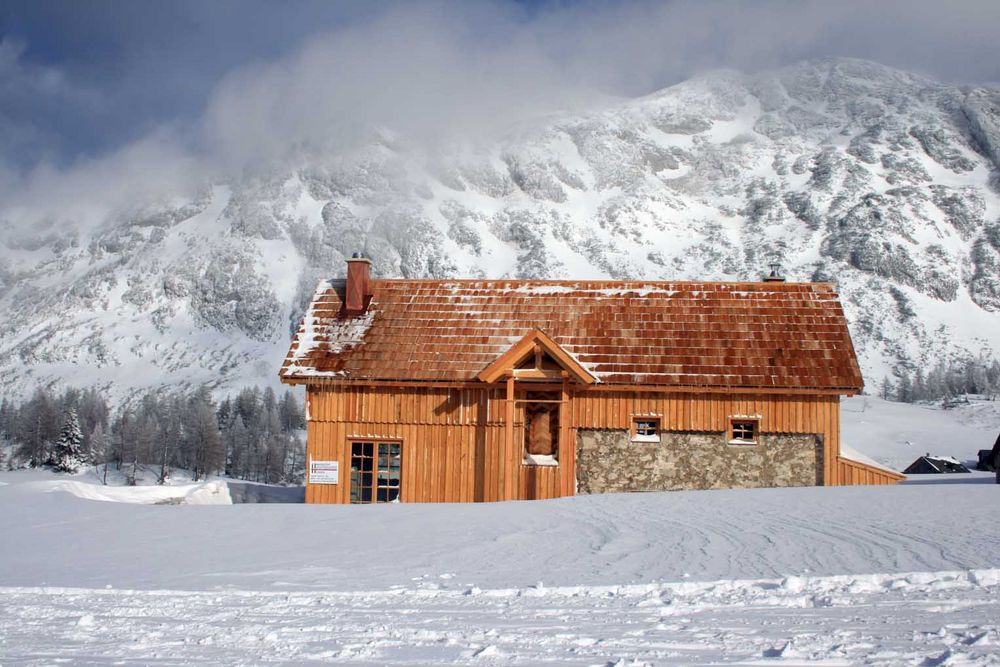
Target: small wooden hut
pixel 485 390
pixel 989 459
pixel 934 465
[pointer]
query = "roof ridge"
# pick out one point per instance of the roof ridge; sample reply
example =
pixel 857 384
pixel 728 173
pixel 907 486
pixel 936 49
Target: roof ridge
pixel 603 281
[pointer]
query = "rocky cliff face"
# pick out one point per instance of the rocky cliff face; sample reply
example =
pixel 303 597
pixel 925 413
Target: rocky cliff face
pixel 881 181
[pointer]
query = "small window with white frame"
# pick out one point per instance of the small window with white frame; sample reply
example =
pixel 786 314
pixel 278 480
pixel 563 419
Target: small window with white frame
pixel 744 430
pixel 646 428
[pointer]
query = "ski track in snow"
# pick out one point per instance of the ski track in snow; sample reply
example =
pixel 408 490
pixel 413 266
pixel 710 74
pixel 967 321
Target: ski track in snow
pixel 929 619
pixel 731 576
pixel 735 577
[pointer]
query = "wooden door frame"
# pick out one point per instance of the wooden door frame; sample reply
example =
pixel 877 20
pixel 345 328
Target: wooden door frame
pixel 564 412
pixel 375 441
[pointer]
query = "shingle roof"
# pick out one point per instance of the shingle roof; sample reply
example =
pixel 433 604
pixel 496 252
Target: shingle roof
pixel 686 334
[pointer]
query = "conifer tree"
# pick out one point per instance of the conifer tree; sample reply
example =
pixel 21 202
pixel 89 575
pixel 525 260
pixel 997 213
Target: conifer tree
pixel 8 418
pixel 68 455
pixel 292 417
pixel 904 389
pixel 886 391
pixel 37 428
pixel 98 454
pixel 203 435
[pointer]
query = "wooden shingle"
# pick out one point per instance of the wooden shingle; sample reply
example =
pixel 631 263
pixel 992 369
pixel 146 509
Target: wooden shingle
pixel 770 335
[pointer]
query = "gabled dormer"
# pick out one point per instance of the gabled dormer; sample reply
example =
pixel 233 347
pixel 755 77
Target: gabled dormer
pixel 537 357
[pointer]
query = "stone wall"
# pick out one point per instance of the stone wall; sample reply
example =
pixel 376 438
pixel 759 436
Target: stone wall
pixel 608 461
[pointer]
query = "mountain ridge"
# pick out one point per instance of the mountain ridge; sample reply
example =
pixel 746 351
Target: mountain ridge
pixel 842 170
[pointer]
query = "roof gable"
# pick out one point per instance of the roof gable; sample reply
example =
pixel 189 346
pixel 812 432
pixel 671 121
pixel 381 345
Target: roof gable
pixel 535 341
pixel 760 336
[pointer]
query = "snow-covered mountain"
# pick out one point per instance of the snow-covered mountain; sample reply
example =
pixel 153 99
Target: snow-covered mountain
pixel 884 182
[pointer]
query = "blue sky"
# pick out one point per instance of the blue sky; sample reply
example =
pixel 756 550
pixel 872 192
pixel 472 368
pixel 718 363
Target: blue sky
pixel 86 81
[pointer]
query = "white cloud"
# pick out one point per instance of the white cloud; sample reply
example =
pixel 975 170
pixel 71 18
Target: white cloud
pixel 86 193
pixel 416 72
pixel 430 69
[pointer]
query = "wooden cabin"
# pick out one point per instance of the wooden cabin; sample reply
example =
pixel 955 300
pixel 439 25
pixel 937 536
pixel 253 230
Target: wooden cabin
pixel 934 465
pixel 486 390
pixel 989 459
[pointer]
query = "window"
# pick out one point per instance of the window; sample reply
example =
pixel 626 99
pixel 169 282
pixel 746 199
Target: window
pixel 376 472
pixel 744 431
pixel 646 429
pixel 541 429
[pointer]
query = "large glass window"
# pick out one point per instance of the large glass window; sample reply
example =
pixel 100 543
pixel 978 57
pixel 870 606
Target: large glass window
pixel 376 472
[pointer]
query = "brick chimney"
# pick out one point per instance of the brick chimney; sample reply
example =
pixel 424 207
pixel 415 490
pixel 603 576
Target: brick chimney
pixel 359 284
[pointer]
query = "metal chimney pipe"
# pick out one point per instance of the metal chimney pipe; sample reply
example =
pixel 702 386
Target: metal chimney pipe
pixel 775 275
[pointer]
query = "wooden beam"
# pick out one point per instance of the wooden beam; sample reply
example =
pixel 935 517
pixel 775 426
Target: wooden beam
pixel 566 449
pixel 508 450
pixel 537 374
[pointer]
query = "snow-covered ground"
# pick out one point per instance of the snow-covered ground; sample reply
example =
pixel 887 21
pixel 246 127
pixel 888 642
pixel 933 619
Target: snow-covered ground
pixel 885 575
pixel 896 434
pixel 927 619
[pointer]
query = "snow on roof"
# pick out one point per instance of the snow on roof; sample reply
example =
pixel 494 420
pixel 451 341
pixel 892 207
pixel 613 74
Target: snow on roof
pixel 848 452
pixel 640 290
pixel 312 328
pixel 945 459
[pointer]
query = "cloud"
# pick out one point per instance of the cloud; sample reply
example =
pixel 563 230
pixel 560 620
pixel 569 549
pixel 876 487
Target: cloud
pixel 200 90
pixel 86 194
pixel 438 68
pixel 422 74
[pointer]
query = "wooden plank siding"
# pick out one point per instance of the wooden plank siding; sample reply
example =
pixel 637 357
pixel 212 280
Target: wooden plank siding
pixel 456 446
pixel 854 472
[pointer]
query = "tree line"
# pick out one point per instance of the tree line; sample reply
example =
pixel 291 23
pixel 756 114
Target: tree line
pixel 253 435
pixel 944 382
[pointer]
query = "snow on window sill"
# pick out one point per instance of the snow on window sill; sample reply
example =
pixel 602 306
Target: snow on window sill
pixel 645 438
pixel 540 460
pixel 742 442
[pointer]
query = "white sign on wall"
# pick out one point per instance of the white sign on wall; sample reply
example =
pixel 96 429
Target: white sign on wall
pixel 324 472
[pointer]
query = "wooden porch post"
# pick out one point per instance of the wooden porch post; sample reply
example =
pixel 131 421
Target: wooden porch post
pixel 506 482
pixel 567 449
